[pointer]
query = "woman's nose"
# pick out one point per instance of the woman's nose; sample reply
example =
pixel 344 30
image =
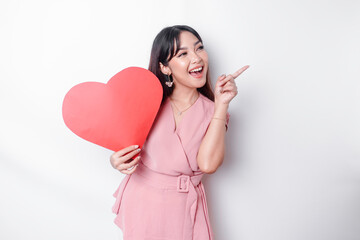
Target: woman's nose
pixel 195 58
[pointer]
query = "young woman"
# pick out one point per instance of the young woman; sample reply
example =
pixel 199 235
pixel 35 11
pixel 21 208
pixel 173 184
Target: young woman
pixel 162 196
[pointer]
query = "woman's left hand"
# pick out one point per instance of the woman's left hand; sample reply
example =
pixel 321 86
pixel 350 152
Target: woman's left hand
pixel 225 87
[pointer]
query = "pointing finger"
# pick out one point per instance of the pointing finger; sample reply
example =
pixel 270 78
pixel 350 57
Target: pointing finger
pixel 240 71
pixel 233 76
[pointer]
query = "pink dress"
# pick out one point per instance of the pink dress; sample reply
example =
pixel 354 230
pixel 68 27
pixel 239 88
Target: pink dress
pixel 164 199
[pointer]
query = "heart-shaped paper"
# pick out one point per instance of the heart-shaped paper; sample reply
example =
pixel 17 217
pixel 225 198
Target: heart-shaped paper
pixel 117 114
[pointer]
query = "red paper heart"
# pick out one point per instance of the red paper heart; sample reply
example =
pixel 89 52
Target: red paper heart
pixel 117 114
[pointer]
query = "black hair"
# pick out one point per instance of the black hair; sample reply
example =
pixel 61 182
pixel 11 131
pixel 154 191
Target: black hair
pixel 163 50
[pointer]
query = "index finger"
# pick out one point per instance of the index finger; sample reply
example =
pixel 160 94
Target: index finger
pixel 240 71
pixel 126 150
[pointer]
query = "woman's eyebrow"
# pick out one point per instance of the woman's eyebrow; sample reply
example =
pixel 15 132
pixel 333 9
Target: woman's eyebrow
pixel 182 48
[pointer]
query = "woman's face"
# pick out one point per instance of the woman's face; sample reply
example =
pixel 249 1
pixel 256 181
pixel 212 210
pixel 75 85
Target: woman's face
pixel 191 56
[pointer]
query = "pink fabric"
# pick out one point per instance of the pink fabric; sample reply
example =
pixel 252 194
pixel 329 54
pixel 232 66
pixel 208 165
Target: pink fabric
pixel 164 199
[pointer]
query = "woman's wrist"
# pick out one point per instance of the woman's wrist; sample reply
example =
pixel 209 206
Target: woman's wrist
pixel 220 113
pixel 221 120
pixel 221 110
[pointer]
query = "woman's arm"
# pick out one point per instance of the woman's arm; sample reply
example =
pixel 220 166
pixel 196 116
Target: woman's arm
pixel 212 148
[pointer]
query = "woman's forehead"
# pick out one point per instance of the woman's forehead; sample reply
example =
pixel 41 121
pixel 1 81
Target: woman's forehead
pixel 186 37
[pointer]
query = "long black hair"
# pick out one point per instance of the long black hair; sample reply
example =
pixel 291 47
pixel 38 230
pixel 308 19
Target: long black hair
pixel 164 46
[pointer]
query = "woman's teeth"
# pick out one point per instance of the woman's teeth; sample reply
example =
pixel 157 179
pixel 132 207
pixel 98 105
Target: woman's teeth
pixel 196 70
pixel 197 73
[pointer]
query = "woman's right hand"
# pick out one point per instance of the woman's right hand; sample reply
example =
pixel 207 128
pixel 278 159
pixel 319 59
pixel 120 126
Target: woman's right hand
pixel 120 159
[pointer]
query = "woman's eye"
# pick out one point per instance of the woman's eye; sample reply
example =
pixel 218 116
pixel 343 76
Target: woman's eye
pixel 184 53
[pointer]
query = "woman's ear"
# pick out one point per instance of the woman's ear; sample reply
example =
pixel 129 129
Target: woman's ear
pixel 164 69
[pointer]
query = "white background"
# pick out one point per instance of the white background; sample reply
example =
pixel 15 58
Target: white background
pixel 292 167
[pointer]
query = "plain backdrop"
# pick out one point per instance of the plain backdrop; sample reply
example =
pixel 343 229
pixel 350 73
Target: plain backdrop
pixel 292 166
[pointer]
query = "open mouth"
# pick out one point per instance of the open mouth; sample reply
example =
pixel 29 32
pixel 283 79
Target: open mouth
pixel 196 72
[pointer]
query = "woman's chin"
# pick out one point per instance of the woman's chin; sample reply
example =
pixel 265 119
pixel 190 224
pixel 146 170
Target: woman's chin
pixel 201 83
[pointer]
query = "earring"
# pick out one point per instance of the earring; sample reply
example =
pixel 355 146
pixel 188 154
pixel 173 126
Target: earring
pixel 168 82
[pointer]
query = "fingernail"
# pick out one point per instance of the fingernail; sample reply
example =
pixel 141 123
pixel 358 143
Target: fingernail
pixel 136 146
pixel 138 150
pixel 223 75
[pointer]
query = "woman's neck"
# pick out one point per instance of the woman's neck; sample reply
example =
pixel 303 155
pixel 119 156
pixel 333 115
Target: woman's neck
pixel 184 96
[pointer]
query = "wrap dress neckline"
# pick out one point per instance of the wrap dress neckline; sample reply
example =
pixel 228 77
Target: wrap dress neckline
pixel 185 113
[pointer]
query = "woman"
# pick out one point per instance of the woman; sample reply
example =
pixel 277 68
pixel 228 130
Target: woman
pixel 162 196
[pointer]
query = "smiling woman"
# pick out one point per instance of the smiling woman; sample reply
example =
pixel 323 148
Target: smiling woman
pixel 173 47
pixel 162 196
pixel 191 59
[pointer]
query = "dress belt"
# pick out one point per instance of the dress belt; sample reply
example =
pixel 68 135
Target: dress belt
pixel 181 182
pixel 184 184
